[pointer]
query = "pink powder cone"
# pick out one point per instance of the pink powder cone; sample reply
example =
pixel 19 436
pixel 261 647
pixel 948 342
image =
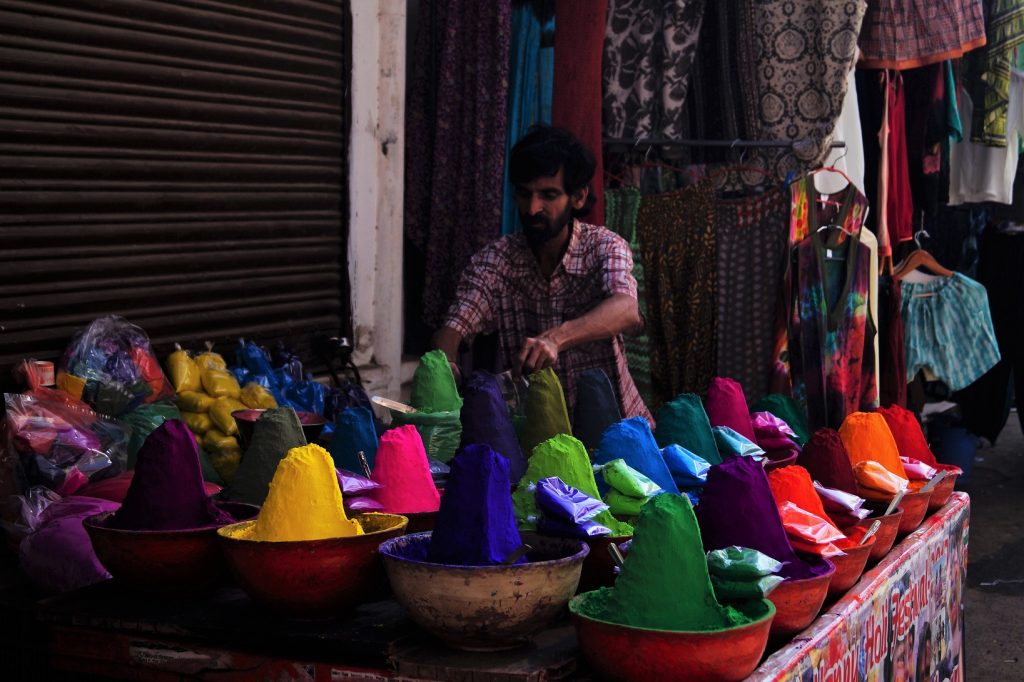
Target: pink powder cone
pixel 402 469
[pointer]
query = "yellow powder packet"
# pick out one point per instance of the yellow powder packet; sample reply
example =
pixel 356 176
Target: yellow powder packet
pixel 304 502
pixel 194 401
pixel 221 411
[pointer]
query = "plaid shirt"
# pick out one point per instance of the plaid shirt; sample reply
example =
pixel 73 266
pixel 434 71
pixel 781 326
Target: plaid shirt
pixel 502 288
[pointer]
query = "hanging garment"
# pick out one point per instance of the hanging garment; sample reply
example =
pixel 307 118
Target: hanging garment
pixel 751 244
pixel 948 328
pixel 892 388
pixel 621 209
pixel 649 46
pixel 529 90
pixel 576 99
pixel 926 129
pixel 677 238
pixel 801 53
pixel 455 134
pixel 849 159
pixel 988 72
pixel 831 344
pixel 899 203
pixel 983 173
pixel 868 239
pixel 903 34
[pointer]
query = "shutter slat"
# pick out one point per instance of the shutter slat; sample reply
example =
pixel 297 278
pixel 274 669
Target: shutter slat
pixel 182 164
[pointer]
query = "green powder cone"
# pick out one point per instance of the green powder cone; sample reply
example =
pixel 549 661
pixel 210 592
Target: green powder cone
pixel 275 433
pixel 546 413
pixel 684 422
pixel 565 457
pixel 433 385
pixel 786 409
pixel 664 583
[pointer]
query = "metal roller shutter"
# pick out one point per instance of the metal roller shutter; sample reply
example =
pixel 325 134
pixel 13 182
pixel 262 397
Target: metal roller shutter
pixel 179 163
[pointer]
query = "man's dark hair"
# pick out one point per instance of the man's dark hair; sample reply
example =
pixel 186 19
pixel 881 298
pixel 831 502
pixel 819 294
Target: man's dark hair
pixel 543 150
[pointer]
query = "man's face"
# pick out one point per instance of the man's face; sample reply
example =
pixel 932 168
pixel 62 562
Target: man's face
pixel 544 207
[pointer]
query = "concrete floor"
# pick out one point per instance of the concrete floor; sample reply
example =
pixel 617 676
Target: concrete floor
pixel 994 602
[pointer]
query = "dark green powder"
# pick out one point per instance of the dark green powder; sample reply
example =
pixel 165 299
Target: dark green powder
pixel 664 583
pixel 546 413
pixel 684 422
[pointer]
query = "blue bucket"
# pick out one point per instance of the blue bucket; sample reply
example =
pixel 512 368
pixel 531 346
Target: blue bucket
pixel 953 445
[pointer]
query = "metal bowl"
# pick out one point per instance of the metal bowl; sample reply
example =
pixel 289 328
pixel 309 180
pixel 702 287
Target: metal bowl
pixel 482 608
pixel 312 424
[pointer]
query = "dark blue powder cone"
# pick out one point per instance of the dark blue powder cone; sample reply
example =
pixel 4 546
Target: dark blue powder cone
pixel 486 421
pixel 597 408
pixel 631 439
pixel 475 525
pixel 354 432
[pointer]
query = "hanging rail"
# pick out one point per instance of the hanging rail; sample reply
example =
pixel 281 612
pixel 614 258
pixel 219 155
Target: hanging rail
pixel 656 142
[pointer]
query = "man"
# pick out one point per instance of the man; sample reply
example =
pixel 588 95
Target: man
pixel 561 293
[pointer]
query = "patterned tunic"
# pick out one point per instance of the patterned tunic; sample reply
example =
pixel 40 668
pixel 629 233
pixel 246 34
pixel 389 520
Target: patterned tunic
pixel 503 290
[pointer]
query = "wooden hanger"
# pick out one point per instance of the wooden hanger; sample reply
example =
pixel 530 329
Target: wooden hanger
pixel 917 259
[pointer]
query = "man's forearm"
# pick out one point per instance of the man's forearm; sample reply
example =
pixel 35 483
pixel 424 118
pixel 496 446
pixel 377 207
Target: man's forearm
pixel 616 315
pixel 448 340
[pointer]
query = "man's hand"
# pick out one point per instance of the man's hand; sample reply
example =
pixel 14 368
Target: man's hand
pixel 539 352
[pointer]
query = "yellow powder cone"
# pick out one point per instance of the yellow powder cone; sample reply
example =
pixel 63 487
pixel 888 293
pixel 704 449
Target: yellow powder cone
pixel 304 502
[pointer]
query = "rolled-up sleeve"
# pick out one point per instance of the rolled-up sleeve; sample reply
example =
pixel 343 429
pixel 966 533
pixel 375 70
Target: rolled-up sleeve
pixel 617 277
pixel 473 310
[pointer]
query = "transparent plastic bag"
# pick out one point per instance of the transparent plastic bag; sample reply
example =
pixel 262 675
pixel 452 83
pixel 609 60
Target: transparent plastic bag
pixel 221 412
pixel 24 512
pixel 184 371
pixel 220 383
pixel 195 401
pixel 624 505
pixel 918 470
pixel 758 588
pixel 440 431
pixel 802 525
pixel 876 482
pixel 63 445
pixel 628 480
pixel 257 397
pixel 566 504
pixel 741 563
pixel 112 362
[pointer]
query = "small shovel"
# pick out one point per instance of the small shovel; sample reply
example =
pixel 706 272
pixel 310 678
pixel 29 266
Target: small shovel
pixel 617 557
pixel 871 531
pixel 935 481
pixel 516 555
pixel 393 405
pixel 364 463
pixel 895 501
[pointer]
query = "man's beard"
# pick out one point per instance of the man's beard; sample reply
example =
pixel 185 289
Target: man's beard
pixel 539 231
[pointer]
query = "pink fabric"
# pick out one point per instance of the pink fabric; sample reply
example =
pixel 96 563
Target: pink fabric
pixel 727 406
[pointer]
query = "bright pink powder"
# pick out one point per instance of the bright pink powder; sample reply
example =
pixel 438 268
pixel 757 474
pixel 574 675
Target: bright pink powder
pixel 727 406
pixel 402 469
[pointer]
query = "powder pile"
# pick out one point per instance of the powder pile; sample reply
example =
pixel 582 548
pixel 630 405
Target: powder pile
pixel 565 457
pixel 727 406
pixel 684 422
pixel 304 502
pixel 774 436
pixel 403 471
pixel 909 437
pixel 597 408
pixel 354 432
pixel 275 433
pixel 825 459
pixel 664 582
pixel 546 413
pixel 867 438
pixel 476 525
pixel 737 508
pixel 433 385
pixel 793 484
pixel 631 440
pixel 486 421
pixel 786 409
pixel 166 492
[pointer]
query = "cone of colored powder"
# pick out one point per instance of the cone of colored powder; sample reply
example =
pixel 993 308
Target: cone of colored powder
pixel 565 457
pixel 737 508
pixel 664 582
pixel 433 385
pixel 166 492
pixel 475 525
pixel 774 436
pixel 304 502
pixel 631 440
pixel 275 433
pixel 793 484
pixel 684 422
pixel 597 408
pixel 546 413
pixel 403 471
pixel 486 421
pixel 907 433
pixel 354 432
pixel 867 438
pixel 727 406
pixel 825 459
pixel 786 409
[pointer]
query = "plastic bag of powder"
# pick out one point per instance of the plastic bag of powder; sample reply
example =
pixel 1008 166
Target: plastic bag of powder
pixel 566 504
pixel 758 588
pixel 582 529
pixel 628 480
pixel 807 527
pixel 624 505
pixel 741 563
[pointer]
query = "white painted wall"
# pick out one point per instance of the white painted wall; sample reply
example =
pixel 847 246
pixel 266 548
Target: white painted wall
pixel 376 186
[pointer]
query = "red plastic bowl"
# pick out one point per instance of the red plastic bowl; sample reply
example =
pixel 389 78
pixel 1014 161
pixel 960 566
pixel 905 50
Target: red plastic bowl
pixel 885 538
pixel 797 602
pixel 175 561
pixel 850 565
pixel 915 507
pixel 941 492
pixel 312 578
pixel 621 652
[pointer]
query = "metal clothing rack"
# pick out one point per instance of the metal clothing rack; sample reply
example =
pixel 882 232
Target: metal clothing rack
pixel 658 142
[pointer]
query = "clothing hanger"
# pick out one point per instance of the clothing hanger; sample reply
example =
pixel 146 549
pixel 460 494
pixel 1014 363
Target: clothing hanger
pixel 917 259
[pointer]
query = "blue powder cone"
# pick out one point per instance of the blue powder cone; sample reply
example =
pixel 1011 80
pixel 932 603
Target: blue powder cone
pixel 353 432
pixel 476 525
pixel 631 439
pixel 597 408
pixel 486 421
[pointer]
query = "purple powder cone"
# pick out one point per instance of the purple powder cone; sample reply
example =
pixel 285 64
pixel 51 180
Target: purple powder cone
pixel 485 421
pixel 737 508
pixel 476 525
pixel 167 492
